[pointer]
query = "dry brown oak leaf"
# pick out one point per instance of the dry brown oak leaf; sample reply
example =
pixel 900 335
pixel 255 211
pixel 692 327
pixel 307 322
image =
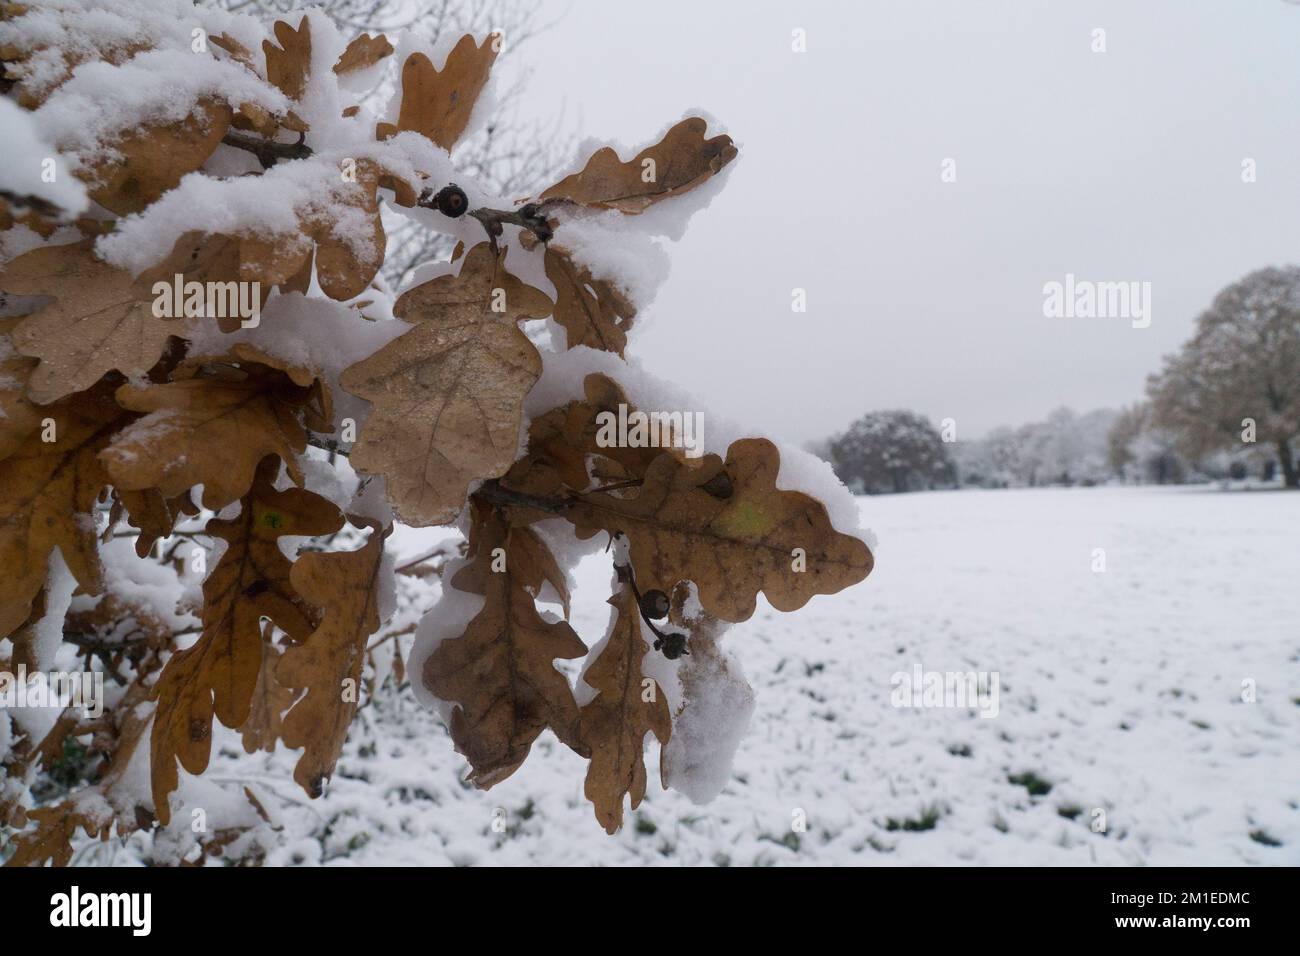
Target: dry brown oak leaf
pixel 218 674
pixel 362 53
pixel 448 394
pixel 101 320
pixel 727 527
pixel 346 586
pixel 612 726
pixel 48 491
pixel 500 672
pixel 594 312
pixel 679 162
pixel 210 430
pixel 288 66
pixel 439 105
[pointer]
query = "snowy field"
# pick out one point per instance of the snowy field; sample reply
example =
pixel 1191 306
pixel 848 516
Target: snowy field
pixel 1119 691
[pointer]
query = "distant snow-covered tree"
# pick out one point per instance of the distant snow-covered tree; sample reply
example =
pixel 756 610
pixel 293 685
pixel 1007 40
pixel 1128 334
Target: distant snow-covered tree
pixel 892 451
pixel 1064 449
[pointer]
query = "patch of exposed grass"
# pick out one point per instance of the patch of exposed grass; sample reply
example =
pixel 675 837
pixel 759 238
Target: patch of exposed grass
pixel 927 819
pixel 1036 785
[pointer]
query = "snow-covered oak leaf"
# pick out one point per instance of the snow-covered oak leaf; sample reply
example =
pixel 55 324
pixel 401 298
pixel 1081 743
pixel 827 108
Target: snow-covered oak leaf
pixel 439 104
pixel 234 49
pixel 346 585
pixel 727 527
pixel 216 258
pixel 48 491
pixel 627 706
pixel 270 700
pixel 683 159
pixel 50 843
pixel 362 53
pixel 145 162
pixel 218 674
pixel 258 119
pixel 211 430
pixel 101 320
pixel 500 672
pixel 594 312
pixel 288 66
pixel 18 416
pixel 564 453
pixel 448 394
pixel 348 258
pixel 37 56
pixel 343 225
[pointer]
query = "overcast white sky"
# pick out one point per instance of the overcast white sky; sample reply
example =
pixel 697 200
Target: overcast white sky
pixel 1123 165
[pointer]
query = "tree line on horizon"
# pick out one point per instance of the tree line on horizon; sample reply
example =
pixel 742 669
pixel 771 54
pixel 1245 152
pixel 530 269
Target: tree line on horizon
pixel 1224 406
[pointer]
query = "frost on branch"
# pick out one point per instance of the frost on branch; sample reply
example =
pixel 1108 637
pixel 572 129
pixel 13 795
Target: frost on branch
pixel 213 411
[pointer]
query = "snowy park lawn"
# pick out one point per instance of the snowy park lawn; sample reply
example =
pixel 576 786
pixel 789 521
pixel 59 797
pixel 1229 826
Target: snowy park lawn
pixel 1120 691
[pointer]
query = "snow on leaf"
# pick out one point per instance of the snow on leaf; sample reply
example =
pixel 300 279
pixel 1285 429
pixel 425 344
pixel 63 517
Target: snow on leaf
pixel 143 163
pixel 213 257
pixel 563 452
pixel 51 842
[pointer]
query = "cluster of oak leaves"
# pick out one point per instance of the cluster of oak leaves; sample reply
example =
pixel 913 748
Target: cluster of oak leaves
pixel 141 420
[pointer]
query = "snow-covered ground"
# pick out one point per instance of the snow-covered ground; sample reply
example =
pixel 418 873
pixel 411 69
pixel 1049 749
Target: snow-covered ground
pixel 1122 690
